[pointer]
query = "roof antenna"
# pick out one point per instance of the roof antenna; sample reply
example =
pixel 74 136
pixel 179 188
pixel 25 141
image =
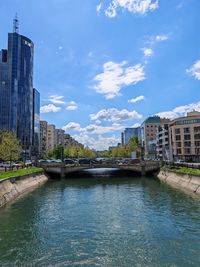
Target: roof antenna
pixel 15 24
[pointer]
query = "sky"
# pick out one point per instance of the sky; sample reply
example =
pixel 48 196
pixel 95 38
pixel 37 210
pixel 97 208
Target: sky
pixel 103 65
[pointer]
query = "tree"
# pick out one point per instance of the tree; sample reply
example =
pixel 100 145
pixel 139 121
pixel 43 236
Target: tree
pixel 10 148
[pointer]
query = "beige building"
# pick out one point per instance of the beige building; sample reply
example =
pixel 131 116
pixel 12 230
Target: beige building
pixel 51 136
pixel 185 137
pixel 43 138
pixel 149 135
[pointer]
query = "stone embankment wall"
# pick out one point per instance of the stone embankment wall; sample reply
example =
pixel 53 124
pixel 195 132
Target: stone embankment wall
pixel 183 181
pixel 15 186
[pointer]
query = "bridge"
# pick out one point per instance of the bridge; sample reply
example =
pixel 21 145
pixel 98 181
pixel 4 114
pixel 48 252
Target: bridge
pixel 63 170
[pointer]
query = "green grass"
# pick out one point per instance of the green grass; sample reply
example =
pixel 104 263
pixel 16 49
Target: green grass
pixel 21 172
pixel 182 170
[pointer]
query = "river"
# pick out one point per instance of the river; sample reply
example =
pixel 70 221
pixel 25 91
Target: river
pixel 109 221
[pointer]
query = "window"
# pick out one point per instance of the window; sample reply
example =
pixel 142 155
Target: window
pixel 186 130
pixel 178 144
pixel 197 136
pixel 197 129
pixel 197 143
pixel 187 151
pixel 178 151
pixel 187 137
pixel 187 144
pixel 178 137
pixel 177 131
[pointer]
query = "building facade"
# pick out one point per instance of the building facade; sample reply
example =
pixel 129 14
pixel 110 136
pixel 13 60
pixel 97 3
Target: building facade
pixel 163 148
pixel 51 136
pixel 16 89
pixel 129 133
pixel 185 137
pixel 43 138
pixel 36 123
pixel 149 135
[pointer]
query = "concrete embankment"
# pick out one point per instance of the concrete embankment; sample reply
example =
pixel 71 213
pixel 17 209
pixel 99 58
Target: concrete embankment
pixel 181 180
pixel 15 186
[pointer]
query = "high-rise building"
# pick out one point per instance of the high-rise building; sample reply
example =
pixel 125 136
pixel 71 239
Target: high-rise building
pixel 129 133
pixel 16 88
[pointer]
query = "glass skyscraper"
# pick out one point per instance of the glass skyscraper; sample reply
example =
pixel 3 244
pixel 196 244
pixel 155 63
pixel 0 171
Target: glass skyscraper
pixel 16 89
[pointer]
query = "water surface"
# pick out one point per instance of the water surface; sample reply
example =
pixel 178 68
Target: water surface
pixel 101 222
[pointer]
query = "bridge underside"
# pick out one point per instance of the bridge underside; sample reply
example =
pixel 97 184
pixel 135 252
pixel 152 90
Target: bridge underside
pixel 88 170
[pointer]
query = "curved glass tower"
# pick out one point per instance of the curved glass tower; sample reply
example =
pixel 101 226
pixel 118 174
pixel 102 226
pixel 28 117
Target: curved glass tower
pixel 16 89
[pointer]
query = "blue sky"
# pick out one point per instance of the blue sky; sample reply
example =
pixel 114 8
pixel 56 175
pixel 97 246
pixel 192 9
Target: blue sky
pixel 101 66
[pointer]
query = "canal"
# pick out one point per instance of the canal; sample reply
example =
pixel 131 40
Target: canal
pixel 101 221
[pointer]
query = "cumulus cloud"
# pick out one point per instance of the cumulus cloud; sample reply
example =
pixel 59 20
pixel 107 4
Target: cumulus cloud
pixel 195 70
pixel 56 99
pixel 180 111
pixel 98 143
pixel 72 106
pixel 92 128
pixel 117 75
pixel 49 108
pixel 148 52
pixel 136 99
pixel 72 126
pixel 115 115
pixel 133 6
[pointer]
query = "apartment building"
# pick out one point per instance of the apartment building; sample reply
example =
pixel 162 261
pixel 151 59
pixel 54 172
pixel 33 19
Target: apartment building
pixel 149 135
pixel 185 137
pixel 163 143
pixel 51 136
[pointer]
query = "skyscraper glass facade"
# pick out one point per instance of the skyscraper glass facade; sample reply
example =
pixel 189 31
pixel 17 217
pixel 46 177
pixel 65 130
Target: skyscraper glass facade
pixel 16 89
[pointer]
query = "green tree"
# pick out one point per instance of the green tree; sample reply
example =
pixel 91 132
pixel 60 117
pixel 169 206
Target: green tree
pixel 10 148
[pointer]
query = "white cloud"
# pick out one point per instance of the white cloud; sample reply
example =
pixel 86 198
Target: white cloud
pixel 49 108
pixel 92 128
pixel 98 143
pixel 72 126
pixel 115 76
pixel 99 7
pixel 180 111
pixel 136 99
pixel 57 99
pixel 195 70
pixel 133 6
pixel 148 52
pixel 161 37
pixel 72 106
pixel 115 115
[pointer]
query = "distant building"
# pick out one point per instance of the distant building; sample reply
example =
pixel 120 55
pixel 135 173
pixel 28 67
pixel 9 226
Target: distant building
pixel 43 138
pixel 51 136
pixel 60 137
pixel 148 135
pixel 185 137
pixel 36 122
pixel 163 149
pixel 129 133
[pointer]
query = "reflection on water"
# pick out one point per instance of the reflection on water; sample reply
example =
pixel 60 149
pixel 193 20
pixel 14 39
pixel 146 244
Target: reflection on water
pixel 101 222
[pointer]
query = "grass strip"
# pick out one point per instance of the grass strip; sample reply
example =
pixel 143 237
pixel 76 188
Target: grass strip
pixel 21 172
pixel 182 170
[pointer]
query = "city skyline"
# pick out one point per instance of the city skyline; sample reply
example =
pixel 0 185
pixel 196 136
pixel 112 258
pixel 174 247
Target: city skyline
pixel 96 76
